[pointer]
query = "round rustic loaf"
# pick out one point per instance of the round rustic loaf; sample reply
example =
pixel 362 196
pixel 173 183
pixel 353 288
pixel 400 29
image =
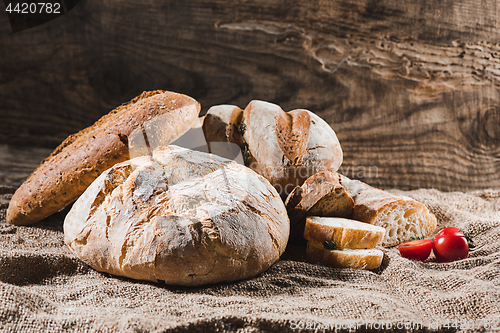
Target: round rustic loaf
pixel 179 216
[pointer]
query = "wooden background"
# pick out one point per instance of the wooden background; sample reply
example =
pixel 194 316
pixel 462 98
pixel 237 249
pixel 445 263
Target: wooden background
pixel 410 86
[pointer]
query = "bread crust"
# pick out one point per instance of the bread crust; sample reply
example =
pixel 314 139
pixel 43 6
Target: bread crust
pixel 83 156
pixel 322 194
pixel 179 216
pixel 344 258
pixel 221 124
pixel 401 216
pixel 284 147
pixel 343 232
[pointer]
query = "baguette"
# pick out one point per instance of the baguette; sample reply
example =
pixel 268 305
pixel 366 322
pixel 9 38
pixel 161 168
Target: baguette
pixel 343 232
pixel 401 216
pixel 343 257
pixel 82 157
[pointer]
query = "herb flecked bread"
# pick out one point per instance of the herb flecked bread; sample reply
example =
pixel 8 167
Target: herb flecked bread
pixel 83 156
pixel 179 216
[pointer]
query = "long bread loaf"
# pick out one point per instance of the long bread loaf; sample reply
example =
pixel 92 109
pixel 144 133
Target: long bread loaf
pixel 83 156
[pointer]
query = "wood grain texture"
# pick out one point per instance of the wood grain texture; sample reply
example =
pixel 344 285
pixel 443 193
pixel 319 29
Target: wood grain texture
pixel 412 88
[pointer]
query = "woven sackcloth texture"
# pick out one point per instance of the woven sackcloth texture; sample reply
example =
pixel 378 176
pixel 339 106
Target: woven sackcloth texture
pixel 45 288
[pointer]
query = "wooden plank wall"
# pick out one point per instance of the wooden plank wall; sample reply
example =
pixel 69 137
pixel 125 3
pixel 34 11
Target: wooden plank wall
pixel 410 86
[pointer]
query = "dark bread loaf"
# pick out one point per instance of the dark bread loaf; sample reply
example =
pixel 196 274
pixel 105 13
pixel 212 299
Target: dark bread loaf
pixel 83 156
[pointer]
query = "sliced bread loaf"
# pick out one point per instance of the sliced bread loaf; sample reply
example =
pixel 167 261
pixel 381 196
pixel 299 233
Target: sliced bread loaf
pixel 321 195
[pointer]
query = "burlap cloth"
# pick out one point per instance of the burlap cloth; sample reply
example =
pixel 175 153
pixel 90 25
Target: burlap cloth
pixel 43 287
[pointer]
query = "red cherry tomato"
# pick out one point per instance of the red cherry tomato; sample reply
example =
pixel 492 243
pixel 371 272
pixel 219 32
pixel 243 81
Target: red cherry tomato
pixel 450 244
pixel 416 250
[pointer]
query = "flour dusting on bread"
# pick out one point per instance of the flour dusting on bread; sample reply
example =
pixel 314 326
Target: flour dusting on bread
pixel 179 216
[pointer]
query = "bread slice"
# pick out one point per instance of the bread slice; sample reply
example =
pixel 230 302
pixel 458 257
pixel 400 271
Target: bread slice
pixel 343 257
pixel 344 232
pixel 154 117
pixel 401 216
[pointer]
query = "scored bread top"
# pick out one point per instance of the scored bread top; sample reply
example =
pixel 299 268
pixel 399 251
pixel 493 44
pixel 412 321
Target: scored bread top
pixel 260 119
pixel 292 130
pixel 180 216
pixel 284 147
pixel 344 232
pixel 83 156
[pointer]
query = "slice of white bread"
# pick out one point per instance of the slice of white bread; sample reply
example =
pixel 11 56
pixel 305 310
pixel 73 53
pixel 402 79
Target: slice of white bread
pixel 401 216
pixel 322 194
pixel 343 257
pixel 344 232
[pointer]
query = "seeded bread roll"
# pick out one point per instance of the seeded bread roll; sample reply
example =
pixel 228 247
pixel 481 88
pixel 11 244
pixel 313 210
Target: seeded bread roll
pixel 343 257
pixel 180 216
pixel 284 147
pixel 343 232
pixel 83 156
pixel 401 216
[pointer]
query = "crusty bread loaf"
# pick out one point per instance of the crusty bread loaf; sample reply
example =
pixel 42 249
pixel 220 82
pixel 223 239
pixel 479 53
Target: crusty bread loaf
pixel 69 170
pixel 322 194
pixel 401 216
pixel 222 132
pixel 284 147
pixel 221 124
pixel 343 257
pixel 179 216
pixel 343 232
